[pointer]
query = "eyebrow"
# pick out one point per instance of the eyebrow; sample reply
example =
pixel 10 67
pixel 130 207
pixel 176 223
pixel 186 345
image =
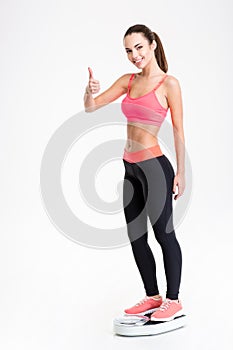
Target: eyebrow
pixel 134 46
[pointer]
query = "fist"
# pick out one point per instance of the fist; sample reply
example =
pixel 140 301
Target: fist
pixel 93 85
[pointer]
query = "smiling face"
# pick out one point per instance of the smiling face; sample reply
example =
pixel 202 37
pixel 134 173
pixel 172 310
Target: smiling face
pixel 138 49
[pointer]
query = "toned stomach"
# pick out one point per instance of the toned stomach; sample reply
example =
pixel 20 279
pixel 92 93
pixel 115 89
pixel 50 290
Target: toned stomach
pixel 141 136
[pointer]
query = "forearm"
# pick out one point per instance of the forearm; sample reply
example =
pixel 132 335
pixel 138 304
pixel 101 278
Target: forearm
pixel 89 102
pixel 180 151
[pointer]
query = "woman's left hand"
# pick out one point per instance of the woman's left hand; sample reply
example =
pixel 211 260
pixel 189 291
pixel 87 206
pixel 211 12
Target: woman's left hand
pixel 179 180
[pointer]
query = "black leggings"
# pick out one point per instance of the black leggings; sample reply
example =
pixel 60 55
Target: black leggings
pixel 147 191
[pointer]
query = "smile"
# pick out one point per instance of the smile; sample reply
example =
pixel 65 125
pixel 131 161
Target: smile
pixel 140 60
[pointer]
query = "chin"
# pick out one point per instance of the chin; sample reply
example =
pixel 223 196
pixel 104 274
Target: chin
pixel 143 65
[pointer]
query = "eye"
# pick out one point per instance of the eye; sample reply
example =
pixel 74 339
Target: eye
pixel 139 47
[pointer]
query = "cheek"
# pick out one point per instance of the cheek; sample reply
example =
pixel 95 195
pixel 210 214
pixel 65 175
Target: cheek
pixel 144 54
pixel 148 55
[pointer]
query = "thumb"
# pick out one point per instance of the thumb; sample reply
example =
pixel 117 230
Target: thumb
pixel 90 73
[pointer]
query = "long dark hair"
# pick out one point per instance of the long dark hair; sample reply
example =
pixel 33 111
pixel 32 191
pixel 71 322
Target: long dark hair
pixel 150 36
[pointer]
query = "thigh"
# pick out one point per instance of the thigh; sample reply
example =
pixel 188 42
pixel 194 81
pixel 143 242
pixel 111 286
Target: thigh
pixel 158 177
pixel 134 207
pixel 165 221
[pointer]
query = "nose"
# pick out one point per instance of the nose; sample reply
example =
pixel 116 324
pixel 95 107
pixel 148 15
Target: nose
pixel 135 56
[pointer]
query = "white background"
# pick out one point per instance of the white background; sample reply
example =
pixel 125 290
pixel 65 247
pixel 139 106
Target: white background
pixel 55 293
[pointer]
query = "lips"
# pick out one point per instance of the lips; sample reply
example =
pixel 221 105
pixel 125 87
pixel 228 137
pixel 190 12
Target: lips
pixel 138 61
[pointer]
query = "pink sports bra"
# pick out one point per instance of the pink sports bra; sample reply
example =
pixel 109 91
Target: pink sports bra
pixel 144 109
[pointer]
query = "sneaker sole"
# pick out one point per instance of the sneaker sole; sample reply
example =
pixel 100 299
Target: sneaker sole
pixel 178 313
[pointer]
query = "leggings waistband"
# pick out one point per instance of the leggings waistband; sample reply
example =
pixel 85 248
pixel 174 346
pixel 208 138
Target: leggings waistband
pixel 146 153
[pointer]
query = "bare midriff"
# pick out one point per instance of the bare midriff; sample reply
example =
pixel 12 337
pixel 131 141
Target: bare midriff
pixel 141 136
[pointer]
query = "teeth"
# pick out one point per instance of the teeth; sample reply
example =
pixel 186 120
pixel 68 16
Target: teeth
pixel 138 61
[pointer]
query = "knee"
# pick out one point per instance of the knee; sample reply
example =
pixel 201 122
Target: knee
pixel 138 240
pixel 164 238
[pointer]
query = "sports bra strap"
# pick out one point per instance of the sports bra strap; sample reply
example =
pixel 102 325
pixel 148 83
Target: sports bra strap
pixel 156 87
pixel 132 75
pixel 160 82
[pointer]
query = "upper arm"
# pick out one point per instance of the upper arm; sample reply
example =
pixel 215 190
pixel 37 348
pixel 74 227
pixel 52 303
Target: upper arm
pixel 118 88
pixel 174 97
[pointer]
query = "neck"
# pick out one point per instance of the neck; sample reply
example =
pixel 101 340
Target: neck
pixel 152 69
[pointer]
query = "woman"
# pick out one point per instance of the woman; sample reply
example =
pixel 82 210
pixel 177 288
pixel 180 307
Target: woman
pixel 149 95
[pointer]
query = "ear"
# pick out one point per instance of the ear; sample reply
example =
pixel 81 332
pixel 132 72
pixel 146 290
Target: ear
pixel 154 45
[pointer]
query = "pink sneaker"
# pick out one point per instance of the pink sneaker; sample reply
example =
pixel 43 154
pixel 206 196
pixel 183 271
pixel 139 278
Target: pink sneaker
pixel 168 310
pixel 146 305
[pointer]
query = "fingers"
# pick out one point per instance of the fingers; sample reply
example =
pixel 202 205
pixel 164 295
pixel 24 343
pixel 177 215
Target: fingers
pixel 180 192
pixel 174 187
pixel 93 84
pixel 181 187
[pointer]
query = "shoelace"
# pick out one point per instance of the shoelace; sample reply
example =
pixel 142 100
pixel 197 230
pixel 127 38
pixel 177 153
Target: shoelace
pixel 143 301
pixel 165 305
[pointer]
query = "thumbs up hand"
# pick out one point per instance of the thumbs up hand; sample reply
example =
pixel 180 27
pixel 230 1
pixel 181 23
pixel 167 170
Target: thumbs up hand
pixel 93 86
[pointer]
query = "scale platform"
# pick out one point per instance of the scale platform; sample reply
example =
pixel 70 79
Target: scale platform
pixel 135 325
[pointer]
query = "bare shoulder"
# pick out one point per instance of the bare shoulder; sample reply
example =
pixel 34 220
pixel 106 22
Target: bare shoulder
pixel 172 83
pixel 127 75
pixel 174 97
pixel 124 79
pixel 122 82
